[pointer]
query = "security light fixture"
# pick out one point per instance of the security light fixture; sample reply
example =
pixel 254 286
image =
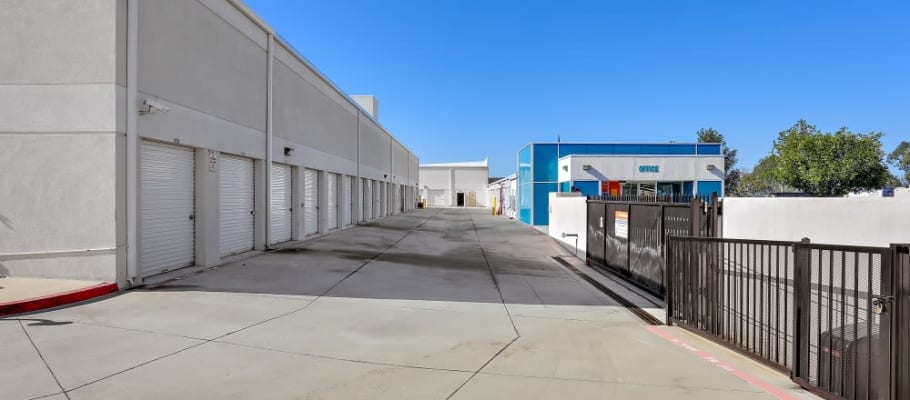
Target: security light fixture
pixel 565 167
pixel 586 167
pixel 153 105
pixel 711 167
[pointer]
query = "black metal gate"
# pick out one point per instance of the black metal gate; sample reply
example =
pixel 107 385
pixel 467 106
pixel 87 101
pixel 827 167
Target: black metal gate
pixel 628 237
pixel 836 317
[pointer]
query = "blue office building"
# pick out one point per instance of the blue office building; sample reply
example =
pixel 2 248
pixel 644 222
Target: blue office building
pixel 614 168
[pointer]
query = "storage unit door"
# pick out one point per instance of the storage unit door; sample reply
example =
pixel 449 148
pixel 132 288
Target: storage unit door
pixel 281 208
pixel 348 202
pixel 367 199
pixel 332 188
pixel 236 204
pixel 310 202
pixel 168 198
pixel 376 199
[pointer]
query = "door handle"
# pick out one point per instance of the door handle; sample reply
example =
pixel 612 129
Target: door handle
pixel 253 212
pixel 880 304
pixel 192 217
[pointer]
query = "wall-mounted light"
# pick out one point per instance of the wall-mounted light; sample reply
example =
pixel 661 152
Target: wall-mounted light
pixel 565 167
pixel 586 167
pixel 711 167
pixel 288 151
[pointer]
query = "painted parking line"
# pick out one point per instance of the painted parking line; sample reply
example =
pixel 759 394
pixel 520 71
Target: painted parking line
pixel 759 383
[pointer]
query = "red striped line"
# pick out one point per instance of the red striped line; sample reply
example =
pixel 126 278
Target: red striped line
pixel 767 387
pixel 55 300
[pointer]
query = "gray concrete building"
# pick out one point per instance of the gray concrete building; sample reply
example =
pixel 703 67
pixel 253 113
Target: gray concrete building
pixel 139 137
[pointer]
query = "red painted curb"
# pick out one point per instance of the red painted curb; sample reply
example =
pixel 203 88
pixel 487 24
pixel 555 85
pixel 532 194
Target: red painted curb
pixel 58 299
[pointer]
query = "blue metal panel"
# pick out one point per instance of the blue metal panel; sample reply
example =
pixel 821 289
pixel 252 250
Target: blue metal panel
pixel 687 187
pixel 545 163
pixel 627 149
pixel 541 208
pixel 705 188
pixel 564 186
pixel 566 149
pixel 588 188
pixel 600 149
pixel 679 148
pixel 709 148
pixel 524 184
pixel 655 149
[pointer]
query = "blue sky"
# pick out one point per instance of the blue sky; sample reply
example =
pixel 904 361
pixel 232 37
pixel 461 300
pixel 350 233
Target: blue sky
pixel 465 80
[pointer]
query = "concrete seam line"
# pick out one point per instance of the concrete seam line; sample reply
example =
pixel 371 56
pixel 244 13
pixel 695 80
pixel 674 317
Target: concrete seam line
pixel 46 365
pixel 754 381
pixel 465 383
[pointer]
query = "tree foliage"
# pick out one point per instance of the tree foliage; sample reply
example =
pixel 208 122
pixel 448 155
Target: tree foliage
pixel 732 176
pixel 829 164
pixel 762 180
pixel 900 158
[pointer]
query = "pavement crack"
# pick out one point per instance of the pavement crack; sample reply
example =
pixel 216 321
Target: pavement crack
pixel 475 373
pixel 46 365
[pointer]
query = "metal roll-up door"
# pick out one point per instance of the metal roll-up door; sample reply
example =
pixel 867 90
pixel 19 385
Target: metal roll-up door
pixel 367 200
pixel 331 188
pixel 348 202
pixel 376 191
pixel 310 202
pixel 167 177
pixel 236 204
pixel 281 207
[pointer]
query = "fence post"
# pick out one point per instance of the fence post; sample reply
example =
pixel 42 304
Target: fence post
pixel 715 204
pixel 900 327
pixel 694 218
pixel 668 276
pixel 802 287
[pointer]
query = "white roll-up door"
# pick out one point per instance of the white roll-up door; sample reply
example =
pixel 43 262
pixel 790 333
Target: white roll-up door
pixel 331 188
pixel 367 200
pixel 236 204
pixel 167 177
pixel 280 212
pixel 348 202
pixel 376 192
pixel 310 202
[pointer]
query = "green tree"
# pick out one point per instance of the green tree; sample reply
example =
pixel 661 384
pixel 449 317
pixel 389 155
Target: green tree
pixel 829 164
pixel 732 176
pixel 900 158
pixel 761 181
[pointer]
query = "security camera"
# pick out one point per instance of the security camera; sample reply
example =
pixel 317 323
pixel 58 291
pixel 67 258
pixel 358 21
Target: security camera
pixel 153 105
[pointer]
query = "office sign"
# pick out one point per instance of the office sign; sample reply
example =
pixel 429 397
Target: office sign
pixel 621 226
pixel 653 169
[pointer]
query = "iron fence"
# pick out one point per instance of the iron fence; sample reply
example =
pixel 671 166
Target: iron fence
pixel 836 317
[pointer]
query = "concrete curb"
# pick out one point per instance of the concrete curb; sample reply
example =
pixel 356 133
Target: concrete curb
pixel 56 300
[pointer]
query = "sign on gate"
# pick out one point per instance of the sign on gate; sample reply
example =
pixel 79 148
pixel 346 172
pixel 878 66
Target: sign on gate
pixel 621 227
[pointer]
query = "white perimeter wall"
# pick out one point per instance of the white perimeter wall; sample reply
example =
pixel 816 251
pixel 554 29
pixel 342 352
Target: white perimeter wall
pixel 875 221
pixel 569 214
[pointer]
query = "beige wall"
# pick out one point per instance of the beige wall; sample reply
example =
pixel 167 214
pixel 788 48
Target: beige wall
pixel 61 138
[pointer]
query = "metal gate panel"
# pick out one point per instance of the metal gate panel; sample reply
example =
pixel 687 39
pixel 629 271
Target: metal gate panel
pixel 167 179
pixel 236 204
pixel 367 199
pixel 282 203
pixel 331 188
pixel 348 202
pixel 594 252
pixel 645 245
pixel 310 202
pixel 616 251
pixel 843 340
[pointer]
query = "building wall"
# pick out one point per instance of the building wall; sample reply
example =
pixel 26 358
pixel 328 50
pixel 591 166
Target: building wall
pixel 451 181
pixel 626 168
pixel 569 214
pixel 63 124
pixel 874 221
pixel 62 77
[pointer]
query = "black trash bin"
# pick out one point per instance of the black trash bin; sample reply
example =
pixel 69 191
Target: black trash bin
pixel 844 365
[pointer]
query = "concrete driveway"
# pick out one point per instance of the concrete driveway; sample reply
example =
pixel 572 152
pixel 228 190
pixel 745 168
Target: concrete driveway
pixel 435 304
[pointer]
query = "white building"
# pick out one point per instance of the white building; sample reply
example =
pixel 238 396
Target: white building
pixel 460 184
pixel 502 194
pixel 636 175
pixel 142 136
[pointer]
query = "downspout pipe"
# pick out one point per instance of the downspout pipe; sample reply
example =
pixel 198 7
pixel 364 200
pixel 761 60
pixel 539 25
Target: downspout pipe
pixel 132 144
pixel 268 145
